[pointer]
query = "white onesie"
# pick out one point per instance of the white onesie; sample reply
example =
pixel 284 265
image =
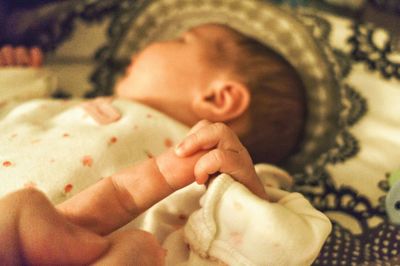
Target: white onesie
pixel 55 146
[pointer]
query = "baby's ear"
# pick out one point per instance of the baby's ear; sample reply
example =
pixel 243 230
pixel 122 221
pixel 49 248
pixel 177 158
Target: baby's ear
pixel 222 101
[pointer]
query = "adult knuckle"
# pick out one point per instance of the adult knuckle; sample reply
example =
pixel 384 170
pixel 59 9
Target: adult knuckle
pixel 29 197
pixel 32 193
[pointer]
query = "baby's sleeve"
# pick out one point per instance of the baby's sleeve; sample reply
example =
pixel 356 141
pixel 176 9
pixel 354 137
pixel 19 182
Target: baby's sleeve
pixel 236 227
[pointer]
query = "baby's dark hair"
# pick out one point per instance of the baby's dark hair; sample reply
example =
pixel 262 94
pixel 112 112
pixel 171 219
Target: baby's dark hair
pixel 277 107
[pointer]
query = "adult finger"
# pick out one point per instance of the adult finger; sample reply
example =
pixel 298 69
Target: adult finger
pixel 114 201
pixel 133 247
pixel 45 237
pixel 207 137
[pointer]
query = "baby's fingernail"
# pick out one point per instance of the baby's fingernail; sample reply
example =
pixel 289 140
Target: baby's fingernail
pixel 201 181
pixel 179 149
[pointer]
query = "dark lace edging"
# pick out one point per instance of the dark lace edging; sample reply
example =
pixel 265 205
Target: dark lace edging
pixel 377 57
pixel 108 67
pixel 50 32
pixel 353 106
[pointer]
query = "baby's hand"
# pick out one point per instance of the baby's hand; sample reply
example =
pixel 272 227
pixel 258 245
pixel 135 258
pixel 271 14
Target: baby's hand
pixel 226 155
pixel 20 56
pixel 101 110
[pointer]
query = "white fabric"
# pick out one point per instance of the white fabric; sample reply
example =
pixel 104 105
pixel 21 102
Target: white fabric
pixel 236 227
pixel 18 83
pixel 377 132
pixel 55 146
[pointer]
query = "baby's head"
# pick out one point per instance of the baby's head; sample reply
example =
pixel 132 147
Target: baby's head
pixel 213 72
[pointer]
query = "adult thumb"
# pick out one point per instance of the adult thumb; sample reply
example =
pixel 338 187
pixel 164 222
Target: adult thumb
pixel 47 237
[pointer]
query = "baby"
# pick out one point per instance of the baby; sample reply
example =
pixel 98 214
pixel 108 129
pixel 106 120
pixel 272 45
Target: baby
pixel 211 72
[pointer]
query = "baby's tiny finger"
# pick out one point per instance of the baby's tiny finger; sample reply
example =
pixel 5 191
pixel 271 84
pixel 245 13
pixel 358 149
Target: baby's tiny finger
pixel 198 125
pixel 36 57
pixel 216 161
pixel 21 56
pixel 199 140
pixel 2 59
pixel 182 148
pixel 8 55
pixel 207 137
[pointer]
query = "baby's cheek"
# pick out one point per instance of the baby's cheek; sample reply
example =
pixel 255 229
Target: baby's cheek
pixel 177 171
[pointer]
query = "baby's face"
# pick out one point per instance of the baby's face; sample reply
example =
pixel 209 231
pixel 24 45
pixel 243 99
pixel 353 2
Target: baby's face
pixel 167 75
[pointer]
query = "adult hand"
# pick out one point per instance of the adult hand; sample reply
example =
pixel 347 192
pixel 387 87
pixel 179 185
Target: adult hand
pixel 33 232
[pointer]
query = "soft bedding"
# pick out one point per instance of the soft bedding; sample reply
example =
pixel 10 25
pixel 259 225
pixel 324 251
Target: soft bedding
pixel 352 75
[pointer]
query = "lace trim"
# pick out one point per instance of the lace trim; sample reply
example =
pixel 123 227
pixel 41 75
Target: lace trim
pixel 377 56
